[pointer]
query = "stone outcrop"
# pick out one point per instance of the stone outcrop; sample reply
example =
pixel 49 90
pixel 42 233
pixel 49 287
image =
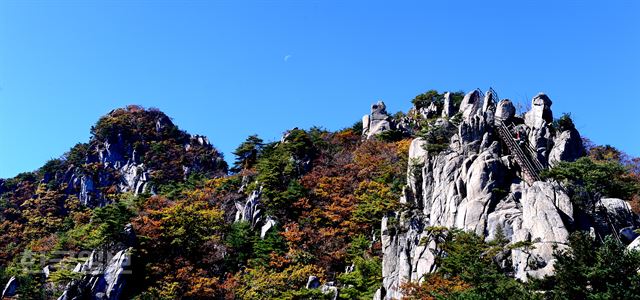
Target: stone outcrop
pixel 120 161
pixel 567 146
pixel 104 274
pixel 328 288
pixel 447 108
pixel 505 110
pixel 540 113
pixel 377 121
pixel 251 212
pixel 543 226
pixel 476 185
pixel 103 277
pixel 268 224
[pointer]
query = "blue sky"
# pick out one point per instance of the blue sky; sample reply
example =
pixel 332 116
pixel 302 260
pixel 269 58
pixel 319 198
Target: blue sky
pixel 231 69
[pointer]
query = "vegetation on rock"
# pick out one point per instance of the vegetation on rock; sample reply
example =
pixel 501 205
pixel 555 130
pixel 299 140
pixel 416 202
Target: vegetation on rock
pixel 326 193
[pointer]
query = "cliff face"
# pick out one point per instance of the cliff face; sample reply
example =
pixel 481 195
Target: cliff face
pixel 480 184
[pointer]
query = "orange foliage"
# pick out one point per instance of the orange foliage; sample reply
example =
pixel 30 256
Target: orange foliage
pixel 326 224
pixel 433 287
pixel 44 244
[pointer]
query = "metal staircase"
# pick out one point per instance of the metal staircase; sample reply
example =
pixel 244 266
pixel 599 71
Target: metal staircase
pixel 603 224
pixel 528 161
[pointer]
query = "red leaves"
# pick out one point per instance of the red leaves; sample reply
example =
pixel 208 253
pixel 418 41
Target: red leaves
pixel 327 222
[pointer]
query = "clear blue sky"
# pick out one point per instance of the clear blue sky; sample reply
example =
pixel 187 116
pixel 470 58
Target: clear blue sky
pixel 231 69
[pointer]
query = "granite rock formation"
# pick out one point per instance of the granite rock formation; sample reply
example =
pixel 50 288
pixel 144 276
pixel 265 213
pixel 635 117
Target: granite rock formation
pixel 377 121
pixel 477 185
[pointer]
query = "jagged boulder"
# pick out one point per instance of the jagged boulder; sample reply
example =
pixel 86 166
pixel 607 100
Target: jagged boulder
pixel 481 178
pixel 376 122
pixel 471 103
pixel 628 234
pixel 328 288
pixel 268 224
pixel 250 211
pixel 405 257
pixel 417 151
pixel 313 282
pixel 430 111
pixel 87 190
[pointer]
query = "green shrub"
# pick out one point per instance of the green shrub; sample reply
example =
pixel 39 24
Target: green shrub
pixel 426 98
pixel 364 281
pixel 437 137
pixel 106 228
pixel 588 271
pixel 247 153
pixel 564 123
pixel 597 178
pixel 239 241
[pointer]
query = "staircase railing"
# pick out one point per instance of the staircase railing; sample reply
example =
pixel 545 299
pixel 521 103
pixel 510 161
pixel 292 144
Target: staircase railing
pixel 531 166
pixel 609 224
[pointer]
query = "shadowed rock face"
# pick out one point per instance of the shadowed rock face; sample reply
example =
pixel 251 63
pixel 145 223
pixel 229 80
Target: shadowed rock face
pixel 103 277
pixel 11 288
pixel 476 186
pixel 567 146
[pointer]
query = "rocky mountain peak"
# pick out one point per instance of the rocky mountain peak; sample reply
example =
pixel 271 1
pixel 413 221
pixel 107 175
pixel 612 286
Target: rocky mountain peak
pixel 483 179
pixel 135 150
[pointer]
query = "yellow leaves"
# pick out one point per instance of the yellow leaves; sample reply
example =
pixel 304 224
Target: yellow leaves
pixel 260 283
pixel 196 195
pixel 182 225
pixel 166 291
pixel 42 188
pixel 373 188
pixel 374 199
pixel 299 274
pixel 402 147
pixel 202 287
pixel 217 183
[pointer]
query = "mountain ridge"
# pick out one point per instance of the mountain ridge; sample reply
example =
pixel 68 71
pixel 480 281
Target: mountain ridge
pixel 356 213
